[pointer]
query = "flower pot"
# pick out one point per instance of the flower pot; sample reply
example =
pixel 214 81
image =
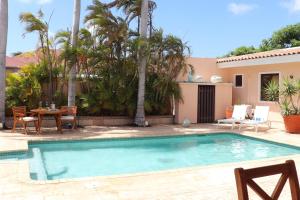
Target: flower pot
pixel 228 112
pixel 292 123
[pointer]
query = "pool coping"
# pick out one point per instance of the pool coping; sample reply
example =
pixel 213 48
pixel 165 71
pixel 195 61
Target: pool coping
pixel 167 171
pixel 24 171
pixel 22 149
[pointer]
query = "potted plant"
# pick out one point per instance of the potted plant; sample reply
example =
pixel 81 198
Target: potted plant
pixel 288 97
pixel 228 112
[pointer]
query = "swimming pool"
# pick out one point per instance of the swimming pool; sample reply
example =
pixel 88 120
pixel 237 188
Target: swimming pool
pixel 73 159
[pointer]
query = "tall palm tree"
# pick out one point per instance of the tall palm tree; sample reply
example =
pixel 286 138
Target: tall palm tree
pixel 142 60
pixel 132 10
pixel 112 30
pixel 72 73
pixel 3 42
pixel 36 23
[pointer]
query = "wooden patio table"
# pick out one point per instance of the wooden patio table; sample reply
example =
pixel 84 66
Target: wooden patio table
pixel 41 112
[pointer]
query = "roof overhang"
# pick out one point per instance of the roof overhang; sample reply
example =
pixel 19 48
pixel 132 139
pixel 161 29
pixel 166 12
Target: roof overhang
pixel 12 67
pixel 260 61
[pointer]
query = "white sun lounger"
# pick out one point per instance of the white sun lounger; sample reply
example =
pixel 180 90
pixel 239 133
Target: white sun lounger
pixel 261 114
pixel 239 114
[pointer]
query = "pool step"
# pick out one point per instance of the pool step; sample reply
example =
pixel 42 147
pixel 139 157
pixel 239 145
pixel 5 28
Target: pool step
pixel 37 170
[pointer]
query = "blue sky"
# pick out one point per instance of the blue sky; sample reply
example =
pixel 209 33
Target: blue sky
pixel 211 27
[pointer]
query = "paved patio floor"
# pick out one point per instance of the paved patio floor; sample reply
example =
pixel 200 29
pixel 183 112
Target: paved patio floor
pixel 211 182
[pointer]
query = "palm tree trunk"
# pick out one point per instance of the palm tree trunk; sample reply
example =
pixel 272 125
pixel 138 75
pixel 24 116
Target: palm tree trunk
pixel 140 113
pixel 3 42
pixel 139 24
pixel 50 64
pixel 72 73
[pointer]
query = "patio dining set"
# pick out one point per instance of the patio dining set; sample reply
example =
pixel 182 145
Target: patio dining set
pixel 36 116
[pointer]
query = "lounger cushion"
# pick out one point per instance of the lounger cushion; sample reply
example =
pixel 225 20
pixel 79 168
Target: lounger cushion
pixel 227 120
pixel 253 122
pixel 67 117
pixel 29 119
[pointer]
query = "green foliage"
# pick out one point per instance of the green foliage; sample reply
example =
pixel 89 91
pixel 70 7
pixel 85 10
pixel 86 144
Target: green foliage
pixel 34 23
pixel 106 59
pixel 24 88
pixel 285 37
pixel 272 91
pixel 46 52
pixel 288 95
pixel 110 86
pixel 243 50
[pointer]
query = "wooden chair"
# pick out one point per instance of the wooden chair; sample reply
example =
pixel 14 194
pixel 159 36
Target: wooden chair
pixel 287 170
pixel 19 115
pixel 69 114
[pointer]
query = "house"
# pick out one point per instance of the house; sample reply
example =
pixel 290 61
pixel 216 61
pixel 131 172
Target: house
pixel 15 63
pixel 247 76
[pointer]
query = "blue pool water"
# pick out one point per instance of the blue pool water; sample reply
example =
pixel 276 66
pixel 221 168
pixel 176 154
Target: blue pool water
pixel 74 159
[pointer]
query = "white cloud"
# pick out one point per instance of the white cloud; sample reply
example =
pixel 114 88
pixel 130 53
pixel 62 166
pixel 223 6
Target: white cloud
pixel 40 2
pixel 240 8
pixel 292 5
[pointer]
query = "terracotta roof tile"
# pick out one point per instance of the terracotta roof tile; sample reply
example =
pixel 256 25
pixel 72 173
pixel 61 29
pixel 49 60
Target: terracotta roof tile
pixel 19 61
pixel 266 54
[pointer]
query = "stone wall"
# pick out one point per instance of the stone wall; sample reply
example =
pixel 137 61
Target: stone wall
pixel 104 121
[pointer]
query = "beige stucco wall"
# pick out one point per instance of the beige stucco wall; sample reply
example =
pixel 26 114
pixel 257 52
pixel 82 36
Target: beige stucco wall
pixel 188 108
pixel 205 67
pixel 223 99
pixel 250 92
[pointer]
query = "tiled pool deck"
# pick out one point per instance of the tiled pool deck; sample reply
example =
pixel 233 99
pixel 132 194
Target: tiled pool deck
pixel 214 182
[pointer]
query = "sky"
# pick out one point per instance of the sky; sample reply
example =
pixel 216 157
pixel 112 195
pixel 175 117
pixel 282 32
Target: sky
pixel 210 27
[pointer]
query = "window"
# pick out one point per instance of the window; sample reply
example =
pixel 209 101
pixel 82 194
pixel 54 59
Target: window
pixel 265 79
pixel 238 81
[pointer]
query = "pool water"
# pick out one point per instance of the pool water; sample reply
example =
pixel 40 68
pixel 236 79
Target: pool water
pixel 85 158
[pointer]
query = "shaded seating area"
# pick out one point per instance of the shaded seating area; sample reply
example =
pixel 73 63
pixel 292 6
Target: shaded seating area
pixel 69 115
pixel 244 179
pixel 20 117
pixel 36 116
pixel 42 112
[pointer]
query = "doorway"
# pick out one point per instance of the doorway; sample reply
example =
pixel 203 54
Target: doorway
pixel 206 104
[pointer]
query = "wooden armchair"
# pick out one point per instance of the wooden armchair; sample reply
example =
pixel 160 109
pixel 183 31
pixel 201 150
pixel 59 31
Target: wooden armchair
pixel 287 170
pixel 19 115
pixel 69 114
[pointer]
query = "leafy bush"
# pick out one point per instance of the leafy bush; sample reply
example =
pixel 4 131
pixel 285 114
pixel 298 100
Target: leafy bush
pixel 287 95
pixel 24 88
pixel 286 37
pixel 106 60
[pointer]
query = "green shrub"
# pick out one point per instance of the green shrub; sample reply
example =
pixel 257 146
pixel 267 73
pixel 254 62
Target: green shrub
pixel 287 95
pixel 23 88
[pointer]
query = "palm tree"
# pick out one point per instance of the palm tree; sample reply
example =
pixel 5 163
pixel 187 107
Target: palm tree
pixel 37 24
pixel 167 60
pixel 132 10
pixel 112 31
pixel 74 38
pixel 142 61
pixel 3 42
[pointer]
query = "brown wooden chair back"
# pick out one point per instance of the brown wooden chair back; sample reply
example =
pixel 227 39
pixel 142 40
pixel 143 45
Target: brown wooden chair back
pixel 19 111
pixel 69 110
pixel 287 170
